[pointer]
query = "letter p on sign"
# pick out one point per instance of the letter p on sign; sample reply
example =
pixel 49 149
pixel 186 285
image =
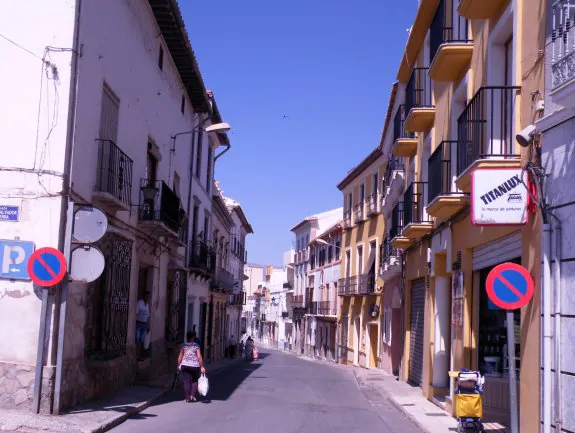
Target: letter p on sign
pixel 13 255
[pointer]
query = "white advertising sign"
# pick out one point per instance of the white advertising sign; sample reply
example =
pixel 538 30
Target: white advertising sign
pixel 498 197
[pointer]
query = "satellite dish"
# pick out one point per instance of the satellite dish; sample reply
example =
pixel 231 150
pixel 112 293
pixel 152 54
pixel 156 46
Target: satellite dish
pixel 86 264
pixel 90 224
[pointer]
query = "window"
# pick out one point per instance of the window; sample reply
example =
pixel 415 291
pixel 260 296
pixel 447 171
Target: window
pixel 361 193
pixel 109 115
pixel 347 263
pixel 359 260
pixel 183 104
pixel 176 184
pixel 337 249
pixel 161 59
pixel 330 254
pixel 195 227
pixel 374 184
pixel 349 201
pixel 199 155
pixel 206 227
pixel 109 301
pixel 151 166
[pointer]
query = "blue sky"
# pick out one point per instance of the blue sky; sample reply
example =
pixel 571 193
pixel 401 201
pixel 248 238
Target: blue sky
pixel 305 86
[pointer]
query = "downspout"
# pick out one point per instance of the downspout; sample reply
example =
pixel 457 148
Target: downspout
pixel 65 225
pixel 220 154
pixel 557 339
pixel 547 334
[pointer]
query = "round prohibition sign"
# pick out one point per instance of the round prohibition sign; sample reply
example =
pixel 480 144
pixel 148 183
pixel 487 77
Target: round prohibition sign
pixel 47 267
pixel 509 286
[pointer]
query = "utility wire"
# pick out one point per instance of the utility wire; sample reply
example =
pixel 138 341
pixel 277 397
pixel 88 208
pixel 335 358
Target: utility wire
pixel 21 47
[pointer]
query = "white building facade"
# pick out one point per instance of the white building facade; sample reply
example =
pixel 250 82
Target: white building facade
pixel 304 231
pixel 114 141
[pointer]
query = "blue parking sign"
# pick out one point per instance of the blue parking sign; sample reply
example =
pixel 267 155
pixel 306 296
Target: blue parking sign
pixel 14 257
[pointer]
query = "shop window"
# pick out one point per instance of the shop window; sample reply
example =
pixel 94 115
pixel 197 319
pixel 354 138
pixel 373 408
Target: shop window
pixel 492 341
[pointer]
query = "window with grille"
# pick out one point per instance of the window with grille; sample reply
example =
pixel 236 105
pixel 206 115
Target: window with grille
pixel 108 301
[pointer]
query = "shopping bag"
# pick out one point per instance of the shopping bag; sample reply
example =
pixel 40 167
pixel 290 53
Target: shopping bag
pixel 203 385
pixel 146 340
pixel 175 382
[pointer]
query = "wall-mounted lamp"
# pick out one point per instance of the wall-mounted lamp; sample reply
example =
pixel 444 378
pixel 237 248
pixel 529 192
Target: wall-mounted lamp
pixel 149 191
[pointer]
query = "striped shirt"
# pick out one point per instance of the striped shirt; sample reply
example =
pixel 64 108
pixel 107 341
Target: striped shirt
pixel 191 355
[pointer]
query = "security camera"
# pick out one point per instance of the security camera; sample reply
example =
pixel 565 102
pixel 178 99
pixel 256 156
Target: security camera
pixel 525 136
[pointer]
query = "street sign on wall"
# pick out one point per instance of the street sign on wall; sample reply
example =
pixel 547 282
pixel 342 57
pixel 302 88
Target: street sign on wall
pixel 498 197
pixel 14 257
pixel 9 213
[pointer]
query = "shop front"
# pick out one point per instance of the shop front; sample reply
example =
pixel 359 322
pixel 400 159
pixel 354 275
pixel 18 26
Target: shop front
pixel 476 334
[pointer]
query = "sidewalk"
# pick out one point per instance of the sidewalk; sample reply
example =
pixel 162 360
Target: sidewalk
pixel 99 416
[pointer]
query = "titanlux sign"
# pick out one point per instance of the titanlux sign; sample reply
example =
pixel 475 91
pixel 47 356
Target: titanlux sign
pixel 498 197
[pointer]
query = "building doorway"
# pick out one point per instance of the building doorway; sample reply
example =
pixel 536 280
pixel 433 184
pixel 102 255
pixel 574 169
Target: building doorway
pixel 373 345
pixel 356 342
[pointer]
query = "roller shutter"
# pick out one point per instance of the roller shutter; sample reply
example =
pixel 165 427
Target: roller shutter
pixel 416 328
pixel 498 251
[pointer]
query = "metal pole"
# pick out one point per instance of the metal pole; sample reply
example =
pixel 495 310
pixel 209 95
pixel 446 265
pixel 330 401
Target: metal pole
pixel 40 353
pixel 512 373
pixel 63 307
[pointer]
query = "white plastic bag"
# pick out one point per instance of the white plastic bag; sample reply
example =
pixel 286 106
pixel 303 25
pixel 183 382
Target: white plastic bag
pixel 146 340
pixel 203 385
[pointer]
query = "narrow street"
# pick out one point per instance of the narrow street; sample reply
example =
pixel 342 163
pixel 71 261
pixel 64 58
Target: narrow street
pixel 279 393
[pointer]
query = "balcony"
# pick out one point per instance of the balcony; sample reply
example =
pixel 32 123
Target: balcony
pixel 237 299
pixel 419 102
pixel 481 9
pixel 393 184
pixel 223 281
pixel 404 143
pixel 372 205
pixel 160 209
pixel 358 214
pixel 450 45
pixel 398 241
pixel 298 301
pixel 347 286
pixel 202 260
pixel 389 260
pixel 444 198
pixel 366 284
pixel 486 136
pixel 347 219
pixel 563 52
pixel 416 221
pixel 326 308
pixel 113 189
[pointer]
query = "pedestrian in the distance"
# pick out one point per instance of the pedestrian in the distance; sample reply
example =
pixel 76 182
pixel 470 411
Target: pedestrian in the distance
pixel 191 364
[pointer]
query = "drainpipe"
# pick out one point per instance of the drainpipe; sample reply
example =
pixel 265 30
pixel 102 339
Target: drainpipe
pixel 547 334
pixel 66 210
pixel 557 339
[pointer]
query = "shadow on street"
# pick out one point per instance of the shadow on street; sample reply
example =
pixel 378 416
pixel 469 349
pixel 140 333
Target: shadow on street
pixel 222 384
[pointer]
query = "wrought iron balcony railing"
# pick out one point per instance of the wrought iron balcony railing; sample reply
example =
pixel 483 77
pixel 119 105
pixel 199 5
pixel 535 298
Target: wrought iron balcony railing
pixel 387 251
pixel 419 90
pixel 397 219
pixel 485 128
pixel 298 301
pixel 562 42
pixel 447 27
pixel 358 212
pixel 202 257
pixel 347 218
pixel 414 202
pixel 366 284
pixel 399 124
pixel 440 170
pixel 326 308
pixel 223 280
pixel 159 203
pixel 114 172
pixel 372 204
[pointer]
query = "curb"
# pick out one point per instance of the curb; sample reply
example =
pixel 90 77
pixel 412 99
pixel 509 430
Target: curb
pixel 400 408
pixel 136 410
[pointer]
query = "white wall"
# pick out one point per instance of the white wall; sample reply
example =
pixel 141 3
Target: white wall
pixel 34 127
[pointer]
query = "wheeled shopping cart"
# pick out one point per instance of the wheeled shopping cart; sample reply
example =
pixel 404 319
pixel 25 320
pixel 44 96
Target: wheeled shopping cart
pixel 469 401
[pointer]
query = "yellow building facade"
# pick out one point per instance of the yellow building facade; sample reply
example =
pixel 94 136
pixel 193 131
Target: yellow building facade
pixel 360 289
pixel 464 90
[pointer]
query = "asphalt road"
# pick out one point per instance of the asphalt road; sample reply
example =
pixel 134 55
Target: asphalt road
pixel 280 393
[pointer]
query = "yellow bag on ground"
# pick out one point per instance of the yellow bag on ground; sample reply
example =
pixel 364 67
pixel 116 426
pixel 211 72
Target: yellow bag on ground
pixel 468 405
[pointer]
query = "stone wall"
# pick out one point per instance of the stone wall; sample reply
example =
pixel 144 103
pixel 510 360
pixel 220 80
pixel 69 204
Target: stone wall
pixel 17 386
pixel 85 379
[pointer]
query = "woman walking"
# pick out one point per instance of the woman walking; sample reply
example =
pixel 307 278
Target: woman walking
pixel 191 364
